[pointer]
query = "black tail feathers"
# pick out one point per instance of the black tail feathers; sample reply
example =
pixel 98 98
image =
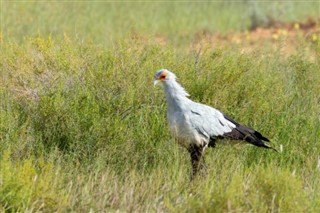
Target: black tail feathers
pixel 242 132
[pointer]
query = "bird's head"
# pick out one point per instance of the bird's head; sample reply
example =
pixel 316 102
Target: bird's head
pixel 163 75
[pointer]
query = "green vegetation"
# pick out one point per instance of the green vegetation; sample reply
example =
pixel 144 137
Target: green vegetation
pixel 104 22
pixel 83 129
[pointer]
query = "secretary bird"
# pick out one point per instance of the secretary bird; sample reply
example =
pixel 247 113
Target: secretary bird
pixel 196 126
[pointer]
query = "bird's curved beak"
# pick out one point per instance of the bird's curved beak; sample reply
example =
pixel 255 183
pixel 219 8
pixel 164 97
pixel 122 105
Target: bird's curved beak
pixel 155 82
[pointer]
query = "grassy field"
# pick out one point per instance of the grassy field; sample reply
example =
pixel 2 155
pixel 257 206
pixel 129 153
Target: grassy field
pixel 103 22
pixel 83 129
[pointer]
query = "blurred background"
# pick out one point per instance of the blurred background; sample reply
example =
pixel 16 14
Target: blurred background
pixel 178 23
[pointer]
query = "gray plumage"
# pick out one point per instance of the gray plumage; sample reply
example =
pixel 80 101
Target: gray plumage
pixel 196 126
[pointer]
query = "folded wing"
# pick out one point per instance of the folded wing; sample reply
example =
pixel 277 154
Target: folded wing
pixel 213 124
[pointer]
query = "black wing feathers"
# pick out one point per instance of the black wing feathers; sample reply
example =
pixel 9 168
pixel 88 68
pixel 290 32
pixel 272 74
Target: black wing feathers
pixel 242 132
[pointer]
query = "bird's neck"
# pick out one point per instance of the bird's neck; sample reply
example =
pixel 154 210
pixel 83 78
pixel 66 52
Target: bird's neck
pixel 176 95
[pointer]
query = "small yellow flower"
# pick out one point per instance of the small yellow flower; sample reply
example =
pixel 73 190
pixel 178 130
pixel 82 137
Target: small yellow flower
pixel 275 36
pixel 247 34
pixel 297 26
pixel 284 32
pixel 314 37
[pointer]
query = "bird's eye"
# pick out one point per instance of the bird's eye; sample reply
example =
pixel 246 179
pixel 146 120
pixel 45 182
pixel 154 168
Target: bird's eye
pixel 162 77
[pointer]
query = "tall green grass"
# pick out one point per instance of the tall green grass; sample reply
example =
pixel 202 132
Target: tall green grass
pixel 83 129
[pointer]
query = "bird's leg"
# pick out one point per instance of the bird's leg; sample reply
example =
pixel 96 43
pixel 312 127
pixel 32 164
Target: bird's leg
pixel 196 155
pixel 203 166
pixel 204 161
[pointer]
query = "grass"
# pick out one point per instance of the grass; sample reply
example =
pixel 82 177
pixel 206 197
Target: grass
pixel 83 129
pixel 105 22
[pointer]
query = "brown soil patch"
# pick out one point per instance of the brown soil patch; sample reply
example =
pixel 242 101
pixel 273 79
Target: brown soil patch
pixel 284 37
